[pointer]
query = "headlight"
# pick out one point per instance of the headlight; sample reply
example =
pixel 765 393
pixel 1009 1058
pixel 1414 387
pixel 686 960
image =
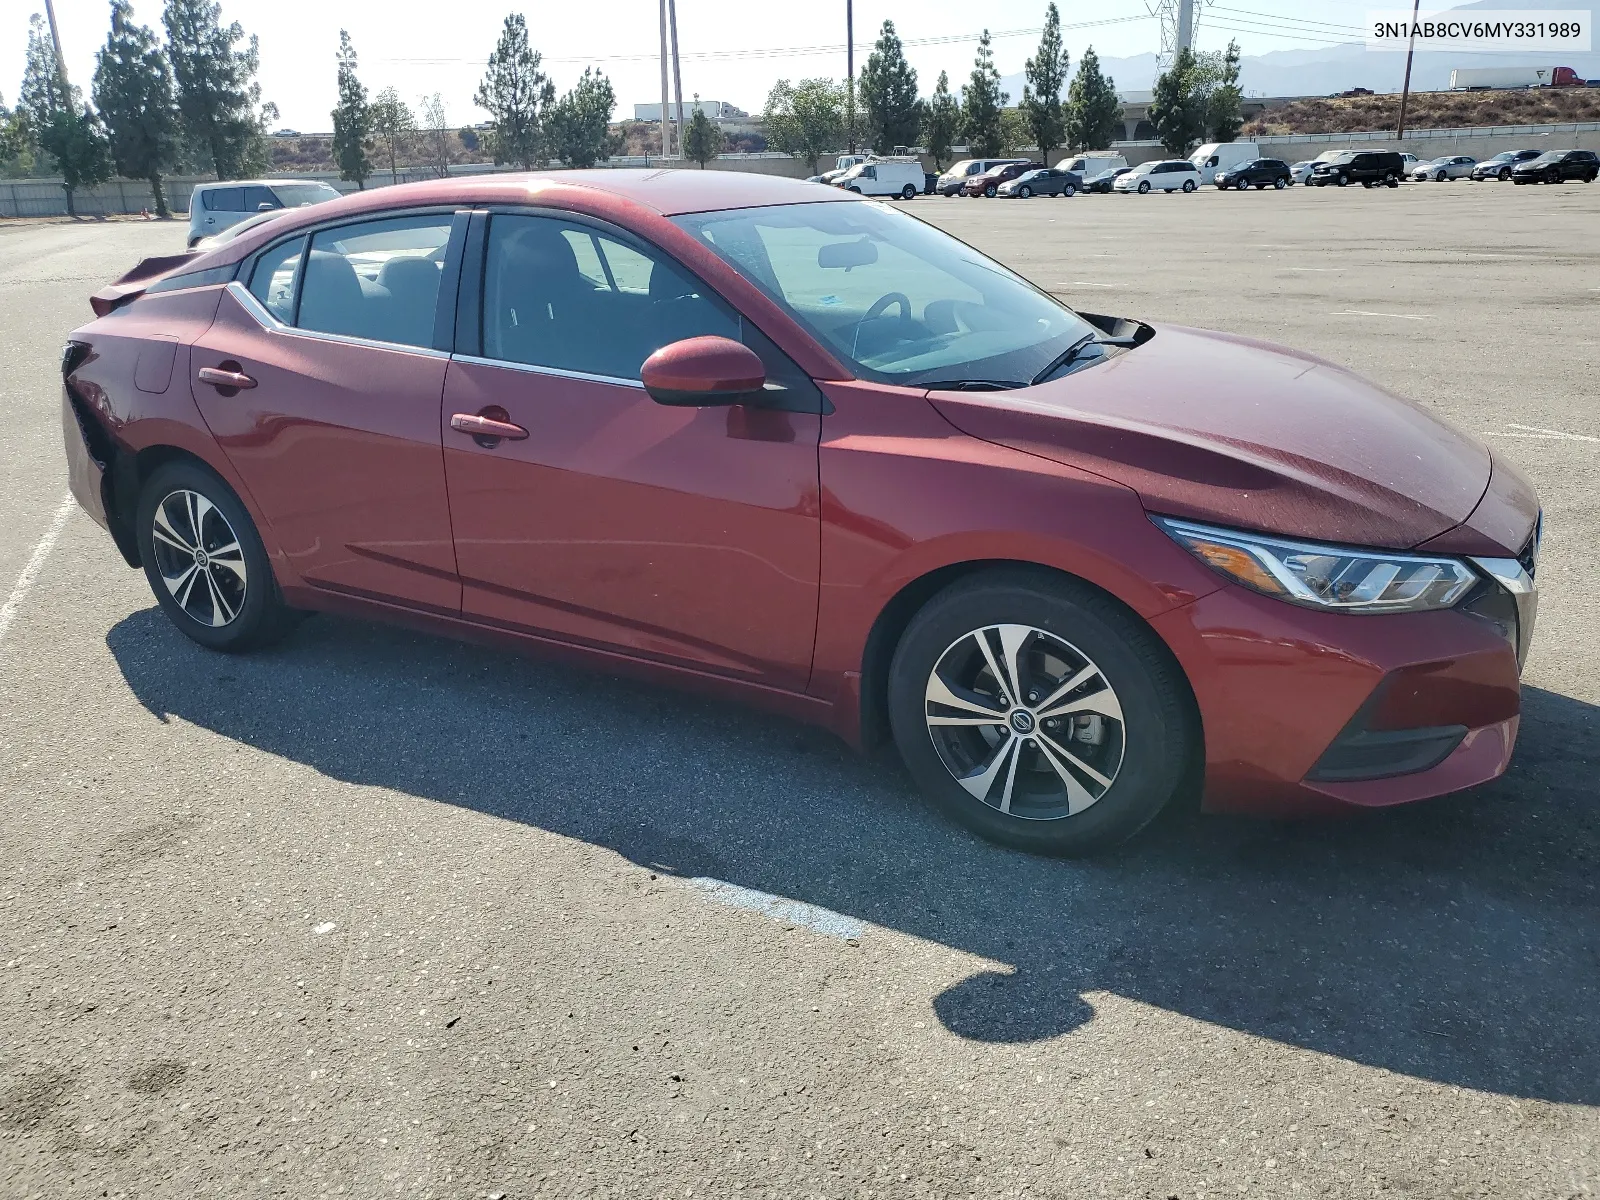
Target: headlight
pixel 1342 578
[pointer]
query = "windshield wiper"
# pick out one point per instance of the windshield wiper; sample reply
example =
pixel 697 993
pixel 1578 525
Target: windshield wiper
pixel 1071 353
pixel 973 385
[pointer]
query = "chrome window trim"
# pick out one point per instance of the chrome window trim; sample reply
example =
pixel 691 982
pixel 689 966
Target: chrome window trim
pixel 265 318
pixel 554 372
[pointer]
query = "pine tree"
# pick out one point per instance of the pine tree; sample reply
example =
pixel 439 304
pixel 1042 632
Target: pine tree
pixel 1178 106
pixel 580 122
pixel 1046 73
pixel 43 93
pixel 133 91
pixel 941 122
pixel 981 103
pixel 518 95
pixel 352 119
pixel 703 140
pixel 76 141
pixel 1224 111
pixel 219 99
pixel 391 120
pixel 888 92
pixel 1094 113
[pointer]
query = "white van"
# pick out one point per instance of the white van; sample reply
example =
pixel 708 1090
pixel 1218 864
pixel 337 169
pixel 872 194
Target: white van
pixel 1092 163
pixel 883 178
pixel 216 206
pixel 1215 157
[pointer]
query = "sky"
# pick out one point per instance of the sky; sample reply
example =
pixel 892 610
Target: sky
pixel 729 51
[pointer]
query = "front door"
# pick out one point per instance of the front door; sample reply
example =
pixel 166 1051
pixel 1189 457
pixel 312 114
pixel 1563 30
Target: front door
pixel 335 430
pixel 689 536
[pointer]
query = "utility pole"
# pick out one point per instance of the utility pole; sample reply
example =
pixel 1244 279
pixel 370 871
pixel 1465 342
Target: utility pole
pixel 850 73
pixel 61 59
pixel 677 79
pixel 1405 90
pixel 1186 24
pixel 666 148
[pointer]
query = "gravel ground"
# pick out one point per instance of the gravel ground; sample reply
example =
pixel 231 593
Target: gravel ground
pixel 374 913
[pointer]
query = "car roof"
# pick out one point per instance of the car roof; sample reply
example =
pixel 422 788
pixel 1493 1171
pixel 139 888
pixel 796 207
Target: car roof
pixel 227 183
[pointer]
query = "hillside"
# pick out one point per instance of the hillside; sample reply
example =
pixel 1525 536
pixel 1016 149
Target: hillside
pixel 1430 110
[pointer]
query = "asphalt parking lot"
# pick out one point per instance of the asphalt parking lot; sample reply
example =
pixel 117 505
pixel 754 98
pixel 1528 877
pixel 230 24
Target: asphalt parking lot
pixel 373 913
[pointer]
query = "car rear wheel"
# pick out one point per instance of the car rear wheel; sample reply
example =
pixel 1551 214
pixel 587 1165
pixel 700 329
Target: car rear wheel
pixel 1188 185
pixel 205 562
pixel 1039 714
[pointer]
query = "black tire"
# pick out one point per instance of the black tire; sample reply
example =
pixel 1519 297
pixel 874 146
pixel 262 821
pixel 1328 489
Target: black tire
pixel 1344 180
pixel 990 190
pixel 1441 177
pixel 1188 185
pixel 1024 191
pixel 1069 191
pixel 259 617
pixel 1144 187
pixel 1280 183
pixel 907 192
pixel 855 189
pixel 1131 661
pixel 1505 174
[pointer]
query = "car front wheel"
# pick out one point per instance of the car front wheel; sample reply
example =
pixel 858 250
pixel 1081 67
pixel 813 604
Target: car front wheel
pixel 1024 192
pixel 205 562
pixel 990 191
pixel 1069 191
pixel 1505 174
pixel 1280 183
pixel 1144 187
pixel 1040 714
pixel 1344 180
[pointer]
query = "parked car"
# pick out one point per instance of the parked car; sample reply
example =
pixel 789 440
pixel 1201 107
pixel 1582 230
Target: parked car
pixel 1257 173
pixel 243 227
pixel 1366 167
pixel 1556 166
pixel 1444 169
pixel 1163 175
pixel 1411 162
pixel 953 180
pixel 1042 181
pixel 897 180
pixel 1092 163
pixel 1499 167
pixel 1223 156
pixel 1103 181
pixel 988 183
pixel 1300 172
pixel 655 411
pixel 213 207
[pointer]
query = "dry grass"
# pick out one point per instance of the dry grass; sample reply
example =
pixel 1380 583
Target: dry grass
pixel 1431 110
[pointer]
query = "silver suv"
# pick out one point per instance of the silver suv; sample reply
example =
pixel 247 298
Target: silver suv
pixel 215 206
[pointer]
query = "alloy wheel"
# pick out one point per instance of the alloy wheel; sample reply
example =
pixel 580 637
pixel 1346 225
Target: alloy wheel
pixel 1025 722
pixel 199 558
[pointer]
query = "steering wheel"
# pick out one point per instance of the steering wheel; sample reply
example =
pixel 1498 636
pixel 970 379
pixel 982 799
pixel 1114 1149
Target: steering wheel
pixel 883 303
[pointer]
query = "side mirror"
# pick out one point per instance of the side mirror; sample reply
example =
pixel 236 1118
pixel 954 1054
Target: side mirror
pixel 703 372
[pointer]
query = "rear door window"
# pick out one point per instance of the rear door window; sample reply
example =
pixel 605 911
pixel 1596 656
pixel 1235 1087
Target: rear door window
pixel 377 279
pixel 276 273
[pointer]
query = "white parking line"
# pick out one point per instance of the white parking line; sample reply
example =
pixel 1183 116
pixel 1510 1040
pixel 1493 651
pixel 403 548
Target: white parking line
pixel 1089 283
pixel 1535 432
pixel 1361 312
pixel 30 573
pixel 780 908
pixel 1316 268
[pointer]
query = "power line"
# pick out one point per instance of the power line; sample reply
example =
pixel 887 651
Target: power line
pixel 1298 37
pixel 1338 27
pixel 785 51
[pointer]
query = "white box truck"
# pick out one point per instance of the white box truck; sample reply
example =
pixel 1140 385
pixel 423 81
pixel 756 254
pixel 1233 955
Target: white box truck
pixel 1483 78
pixel 1215 157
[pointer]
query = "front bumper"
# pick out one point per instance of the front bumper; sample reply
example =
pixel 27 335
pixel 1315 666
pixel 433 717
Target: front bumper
pixel 1307 712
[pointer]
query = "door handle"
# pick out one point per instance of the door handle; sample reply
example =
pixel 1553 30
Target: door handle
pixel 222 379
pixel 487 430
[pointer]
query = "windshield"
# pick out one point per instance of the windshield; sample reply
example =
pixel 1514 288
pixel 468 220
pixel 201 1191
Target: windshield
pixel 297 195
pixel 899 300
pixel 960 168
pixel 1550 156
pixel 1503 156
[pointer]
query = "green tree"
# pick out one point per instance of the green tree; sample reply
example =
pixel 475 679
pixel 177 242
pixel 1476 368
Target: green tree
pixel 1015 132
pixel 888 90
pixel 219 99
pixel 436 124
pixel 703 140
pixel 580 122
pixel 1046 73
pixel 43 92
pixel 941 121
pixel 981 102
pixel 1178 108
pixel 352 119
pixel 1224 112
pixel 78 144
pixel 391 120
pixel 518 95
pixel 1094 113
pixel 133 93
pixel 805 119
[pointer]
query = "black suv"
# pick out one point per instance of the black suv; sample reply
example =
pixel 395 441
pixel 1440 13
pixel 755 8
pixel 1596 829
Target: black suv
pixel 1554 166
pixel 1366 167
pixel 1258 173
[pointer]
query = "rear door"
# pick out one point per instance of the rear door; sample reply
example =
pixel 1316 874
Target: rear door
pixel 337 339
pixel 689 536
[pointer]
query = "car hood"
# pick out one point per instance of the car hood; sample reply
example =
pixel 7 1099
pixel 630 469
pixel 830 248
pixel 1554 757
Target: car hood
pixel 1215 427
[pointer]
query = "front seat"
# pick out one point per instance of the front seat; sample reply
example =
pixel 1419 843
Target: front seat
pixel 542 309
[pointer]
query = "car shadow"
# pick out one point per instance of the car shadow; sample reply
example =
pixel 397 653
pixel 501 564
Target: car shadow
pixel 1453 940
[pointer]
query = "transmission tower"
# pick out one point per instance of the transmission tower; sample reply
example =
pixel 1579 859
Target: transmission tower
pixel 1178 20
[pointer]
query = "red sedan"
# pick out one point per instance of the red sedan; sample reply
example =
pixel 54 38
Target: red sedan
pixel 771 440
